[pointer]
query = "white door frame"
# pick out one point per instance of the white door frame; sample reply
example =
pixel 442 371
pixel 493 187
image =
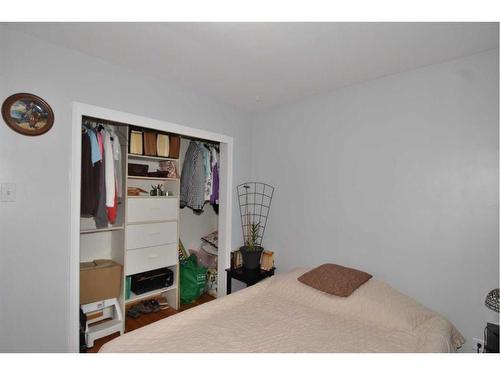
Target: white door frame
pixel 225 194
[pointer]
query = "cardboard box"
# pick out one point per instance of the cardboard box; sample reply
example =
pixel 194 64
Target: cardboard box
pixel 99 280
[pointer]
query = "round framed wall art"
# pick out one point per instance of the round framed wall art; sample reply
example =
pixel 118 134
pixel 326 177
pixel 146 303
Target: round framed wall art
pixel 27 114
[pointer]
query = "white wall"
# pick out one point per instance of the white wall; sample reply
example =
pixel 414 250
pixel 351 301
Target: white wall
pixel 398 177
pixel 34 230
pixel 3 94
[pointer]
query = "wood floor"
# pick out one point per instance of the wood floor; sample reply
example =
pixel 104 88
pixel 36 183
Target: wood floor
pixel 145 319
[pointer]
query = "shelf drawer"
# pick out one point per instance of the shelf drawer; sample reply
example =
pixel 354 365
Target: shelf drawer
pixel 150 258
pixel 152 209
pixel 154 234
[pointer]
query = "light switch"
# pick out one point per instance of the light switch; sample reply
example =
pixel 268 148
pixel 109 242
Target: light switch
pixel 8 192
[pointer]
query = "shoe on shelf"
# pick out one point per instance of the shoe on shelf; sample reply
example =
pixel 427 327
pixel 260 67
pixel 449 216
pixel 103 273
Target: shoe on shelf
pixel 134 312
pixel 153 305
pixel 142 307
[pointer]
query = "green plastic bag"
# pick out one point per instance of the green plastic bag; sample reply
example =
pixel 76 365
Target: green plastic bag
pixel 193 279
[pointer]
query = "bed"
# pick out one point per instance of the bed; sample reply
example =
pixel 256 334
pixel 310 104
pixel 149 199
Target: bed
pixel 280 314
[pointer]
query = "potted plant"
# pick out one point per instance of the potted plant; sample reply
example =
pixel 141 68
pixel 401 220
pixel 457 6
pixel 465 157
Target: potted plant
pixel 252 251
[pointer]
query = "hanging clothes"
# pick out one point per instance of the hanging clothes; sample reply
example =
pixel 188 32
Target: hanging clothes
pixel 207 170
pixel 115 172
pixel 94 146
pixel 101 215
pixel 213 153
pixel 102 174
pixel 192 190
pixel 200 177
pixel 206 157
pixel 117 157
pixel 109 169
pixel 214 198
pixel 89 177
pixel 110 176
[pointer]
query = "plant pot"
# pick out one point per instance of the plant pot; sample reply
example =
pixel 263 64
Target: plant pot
pixel 251 258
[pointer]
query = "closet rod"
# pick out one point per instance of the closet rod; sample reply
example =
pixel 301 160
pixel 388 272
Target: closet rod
pixel 213 143
pixel 95 120
pixel 103 121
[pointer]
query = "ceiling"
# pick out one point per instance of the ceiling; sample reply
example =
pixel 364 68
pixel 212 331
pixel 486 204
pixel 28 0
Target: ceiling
pixel 254 66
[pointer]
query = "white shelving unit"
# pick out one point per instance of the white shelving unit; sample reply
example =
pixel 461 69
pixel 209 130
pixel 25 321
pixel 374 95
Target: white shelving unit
pixel 107 243
pixel 97 230
pixel 152 178
pixel 147 157
pixel 153 215
pixel 146 233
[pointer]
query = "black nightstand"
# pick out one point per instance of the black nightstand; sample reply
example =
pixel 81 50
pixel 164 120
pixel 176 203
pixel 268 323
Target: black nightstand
pixel 249 277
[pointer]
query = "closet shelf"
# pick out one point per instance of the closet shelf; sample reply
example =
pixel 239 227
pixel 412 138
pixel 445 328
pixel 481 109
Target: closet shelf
pixel 153 196
pixel 146 157
pixel 153 178
pixel 152 222
pixel 136 297
pixel 97 230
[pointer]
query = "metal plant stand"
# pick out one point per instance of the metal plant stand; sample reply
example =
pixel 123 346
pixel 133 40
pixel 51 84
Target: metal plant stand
pixel 254 199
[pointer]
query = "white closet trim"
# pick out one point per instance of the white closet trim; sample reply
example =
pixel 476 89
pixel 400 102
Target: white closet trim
pixel 225 194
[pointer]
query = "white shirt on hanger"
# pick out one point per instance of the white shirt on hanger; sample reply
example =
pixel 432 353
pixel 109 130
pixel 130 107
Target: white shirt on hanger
pixel 109 170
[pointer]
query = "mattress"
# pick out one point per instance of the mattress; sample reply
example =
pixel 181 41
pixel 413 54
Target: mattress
pixel 280 314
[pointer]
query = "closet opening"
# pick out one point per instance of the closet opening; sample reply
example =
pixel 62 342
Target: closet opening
pixel 199 162
pixel 146 197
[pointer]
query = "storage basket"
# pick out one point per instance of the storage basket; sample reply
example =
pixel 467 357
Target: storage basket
pixel 138 169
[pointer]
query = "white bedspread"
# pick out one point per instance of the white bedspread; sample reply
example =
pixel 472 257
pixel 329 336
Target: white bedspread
pixel 281 314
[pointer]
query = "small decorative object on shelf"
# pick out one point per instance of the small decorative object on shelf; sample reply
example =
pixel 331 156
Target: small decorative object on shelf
pixel 157 191
pixel 135 191
pixel 158 174
pixel 254 199
pixel 236 259
pixel 169 167
pixel 267 260
pixel 211 287
pixel 27 114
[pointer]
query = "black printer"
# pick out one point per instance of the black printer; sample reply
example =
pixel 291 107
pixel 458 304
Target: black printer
pixel 151 280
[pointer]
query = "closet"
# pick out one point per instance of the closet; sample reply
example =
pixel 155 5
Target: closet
pixel 136 221
pixel 199 228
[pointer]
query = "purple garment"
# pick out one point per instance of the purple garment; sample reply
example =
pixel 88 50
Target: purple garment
pixel 214 198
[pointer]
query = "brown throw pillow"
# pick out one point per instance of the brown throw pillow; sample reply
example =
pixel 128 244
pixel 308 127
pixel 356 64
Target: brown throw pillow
pixel 335 279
